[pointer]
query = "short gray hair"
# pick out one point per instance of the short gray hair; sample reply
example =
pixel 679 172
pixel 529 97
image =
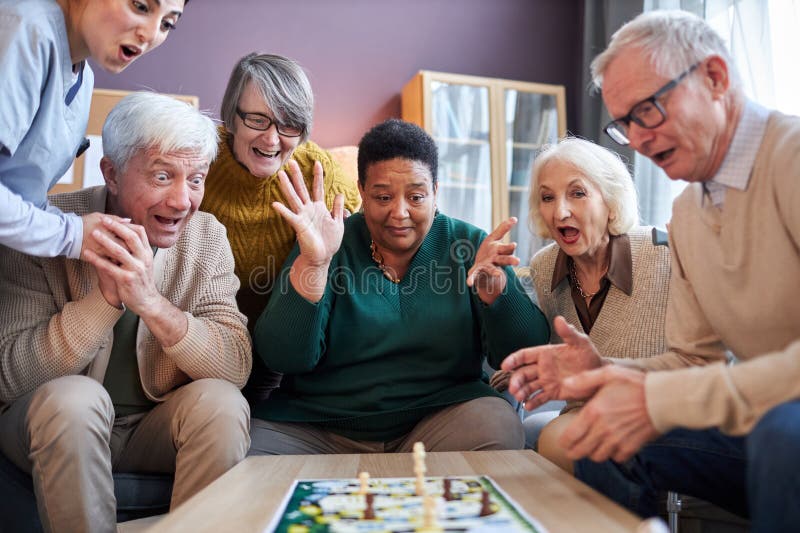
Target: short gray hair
pixel 600 166
pixel 673 41
pixel 282 83
pixel 145 120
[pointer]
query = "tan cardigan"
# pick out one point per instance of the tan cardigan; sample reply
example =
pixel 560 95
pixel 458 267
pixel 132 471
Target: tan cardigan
pixel 735 285
pixel 55 321
pixel 627 326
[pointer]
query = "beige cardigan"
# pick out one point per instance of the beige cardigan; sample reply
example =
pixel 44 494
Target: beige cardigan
pixel 735 285
pixel 55 322
pixel 627 326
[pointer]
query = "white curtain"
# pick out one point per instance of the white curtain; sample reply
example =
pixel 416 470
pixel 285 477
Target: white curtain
pixel 763 38
pixel 656 190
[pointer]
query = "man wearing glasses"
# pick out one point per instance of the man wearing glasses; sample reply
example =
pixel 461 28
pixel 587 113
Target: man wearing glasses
pixel 685 420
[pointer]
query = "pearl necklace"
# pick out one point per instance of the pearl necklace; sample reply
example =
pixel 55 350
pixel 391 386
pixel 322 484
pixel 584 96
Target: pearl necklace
pixel 574 275
pixel 378 258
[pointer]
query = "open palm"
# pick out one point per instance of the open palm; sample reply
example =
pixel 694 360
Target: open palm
pixel 538 372
pixel 319 231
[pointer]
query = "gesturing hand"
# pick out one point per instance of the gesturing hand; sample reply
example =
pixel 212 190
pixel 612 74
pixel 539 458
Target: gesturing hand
pixel 539 371
pixel 614 424
pixel 487 274
pixel 319 231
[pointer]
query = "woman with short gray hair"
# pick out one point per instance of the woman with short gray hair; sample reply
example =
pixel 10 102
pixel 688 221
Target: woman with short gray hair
pixel 267 112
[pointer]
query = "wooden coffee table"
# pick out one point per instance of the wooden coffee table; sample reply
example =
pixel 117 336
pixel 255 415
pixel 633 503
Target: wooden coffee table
pixel 246 498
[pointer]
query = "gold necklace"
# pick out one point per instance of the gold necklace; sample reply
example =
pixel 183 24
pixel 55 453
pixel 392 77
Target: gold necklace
pixel 378 258
pixel 574 275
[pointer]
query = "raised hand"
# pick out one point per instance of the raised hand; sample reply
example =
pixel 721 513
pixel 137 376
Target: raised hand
pixel 319 231
pixel 538 372
pixel 487 274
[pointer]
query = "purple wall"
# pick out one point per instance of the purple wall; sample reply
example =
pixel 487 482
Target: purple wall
pixel 360 53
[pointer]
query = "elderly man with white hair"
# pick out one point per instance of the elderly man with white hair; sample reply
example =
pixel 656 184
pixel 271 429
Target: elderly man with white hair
pixel 685 420
pixel 133 360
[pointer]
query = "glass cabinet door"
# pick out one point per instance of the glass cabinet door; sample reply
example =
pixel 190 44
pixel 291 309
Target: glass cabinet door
pixel 460 126
pixel 488 132
pixel 531 121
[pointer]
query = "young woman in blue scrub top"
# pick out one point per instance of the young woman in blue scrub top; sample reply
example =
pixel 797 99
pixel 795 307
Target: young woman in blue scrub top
pixel 45 92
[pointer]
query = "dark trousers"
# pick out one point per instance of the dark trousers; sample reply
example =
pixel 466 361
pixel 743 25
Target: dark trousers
pixel 757 476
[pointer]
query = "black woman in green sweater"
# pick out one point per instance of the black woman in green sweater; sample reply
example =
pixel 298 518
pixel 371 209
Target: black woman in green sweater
pixel 381 323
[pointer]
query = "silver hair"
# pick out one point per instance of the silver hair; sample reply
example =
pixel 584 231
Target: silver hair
pixel 145 120
pixel 603 168
pixel 673 41
pixel 282 83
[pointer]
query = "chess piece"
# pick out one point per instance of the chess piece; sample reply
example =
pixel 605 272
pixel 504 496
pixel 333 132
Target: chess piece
pixel 429 514
pixel 486 504
pixel 447 495
pixel 419 468
pixel 369 511
pixel 364 478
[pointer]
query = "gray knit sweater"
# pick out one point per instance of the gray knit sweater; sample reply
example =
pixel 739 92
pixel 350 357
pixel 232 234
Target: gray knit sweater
pixel 627 326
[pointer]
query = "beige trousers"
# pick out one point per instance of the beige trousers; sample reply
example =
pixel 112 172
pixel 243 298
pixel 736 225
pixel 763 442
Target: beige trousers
pixel 548 445
pixel 488 423
pixel 65 435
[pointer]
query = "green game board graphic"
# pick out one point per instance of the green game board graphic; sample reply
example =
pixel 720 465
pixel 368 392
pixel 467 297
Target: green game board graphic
pixel 337 506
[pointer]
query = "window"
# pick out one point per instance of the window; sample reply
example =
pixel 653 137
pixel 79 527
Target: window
pixel 763 39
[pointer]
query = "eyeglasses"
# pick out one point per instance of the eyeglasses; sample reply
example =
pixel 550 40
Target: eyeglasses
pixel 257 121
pixel 648 113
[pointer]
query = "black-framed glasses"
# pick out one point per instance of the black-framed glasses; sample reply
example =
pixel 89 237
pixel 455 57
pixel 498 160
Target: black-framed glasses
pixel 260 122
pixel 648 113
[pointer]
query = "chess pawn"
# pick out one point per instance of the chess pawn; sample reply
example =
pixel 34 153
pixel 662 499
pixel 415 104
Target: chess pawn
pixel 486 504
pixel 447 488
pixel 369 511
pixel 363 477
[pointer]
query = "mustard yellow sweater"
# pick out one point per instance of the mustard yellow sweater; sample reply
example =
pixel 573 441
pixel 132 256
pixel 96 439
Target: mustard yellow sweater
pixel 259 237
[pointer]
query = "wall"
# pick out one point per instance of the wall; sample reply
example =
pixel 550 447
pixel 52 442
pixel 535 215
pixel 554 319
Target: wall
pixel 360 53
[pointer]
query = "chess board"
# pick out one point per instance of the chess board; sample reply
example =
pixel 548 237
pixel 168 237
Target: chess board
pixel 338 506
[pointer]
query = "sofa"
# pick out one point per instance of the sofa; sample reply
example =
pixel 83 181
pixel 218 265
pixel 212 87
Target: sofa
pixel 138 495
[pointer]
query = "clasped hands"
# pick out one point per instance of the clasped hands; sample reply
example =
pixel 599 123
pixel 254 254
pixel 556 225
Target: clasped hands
pixel 123 259
pixel 613 424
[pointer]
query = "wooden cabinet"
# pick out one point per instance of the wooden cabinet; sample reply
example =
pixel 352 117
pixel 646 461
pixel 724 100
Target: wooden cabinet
pixel 488 131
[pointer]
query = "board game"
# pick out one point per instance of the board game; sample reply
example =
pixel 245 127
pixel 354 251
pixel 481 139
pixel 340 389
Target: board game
pixel 453 503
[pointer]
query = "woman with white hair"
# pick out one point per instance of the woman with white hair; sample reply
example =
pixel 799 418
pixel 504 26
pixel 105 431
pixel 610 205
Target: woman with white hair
pixel 602 274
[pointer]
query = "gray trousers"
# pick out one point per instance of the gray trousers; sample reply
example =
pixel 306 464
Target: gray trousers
pixel 488 423
pixel 65 435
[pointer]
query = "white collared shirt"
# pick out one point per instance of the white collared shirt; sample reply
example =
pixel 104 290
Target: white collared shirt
pixel 738 162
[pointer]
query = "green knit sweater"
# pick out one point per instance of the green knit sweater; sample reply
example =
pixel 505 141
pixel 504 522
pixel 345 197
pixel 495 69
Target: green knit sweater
pixel 372 358
pixel 260 238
